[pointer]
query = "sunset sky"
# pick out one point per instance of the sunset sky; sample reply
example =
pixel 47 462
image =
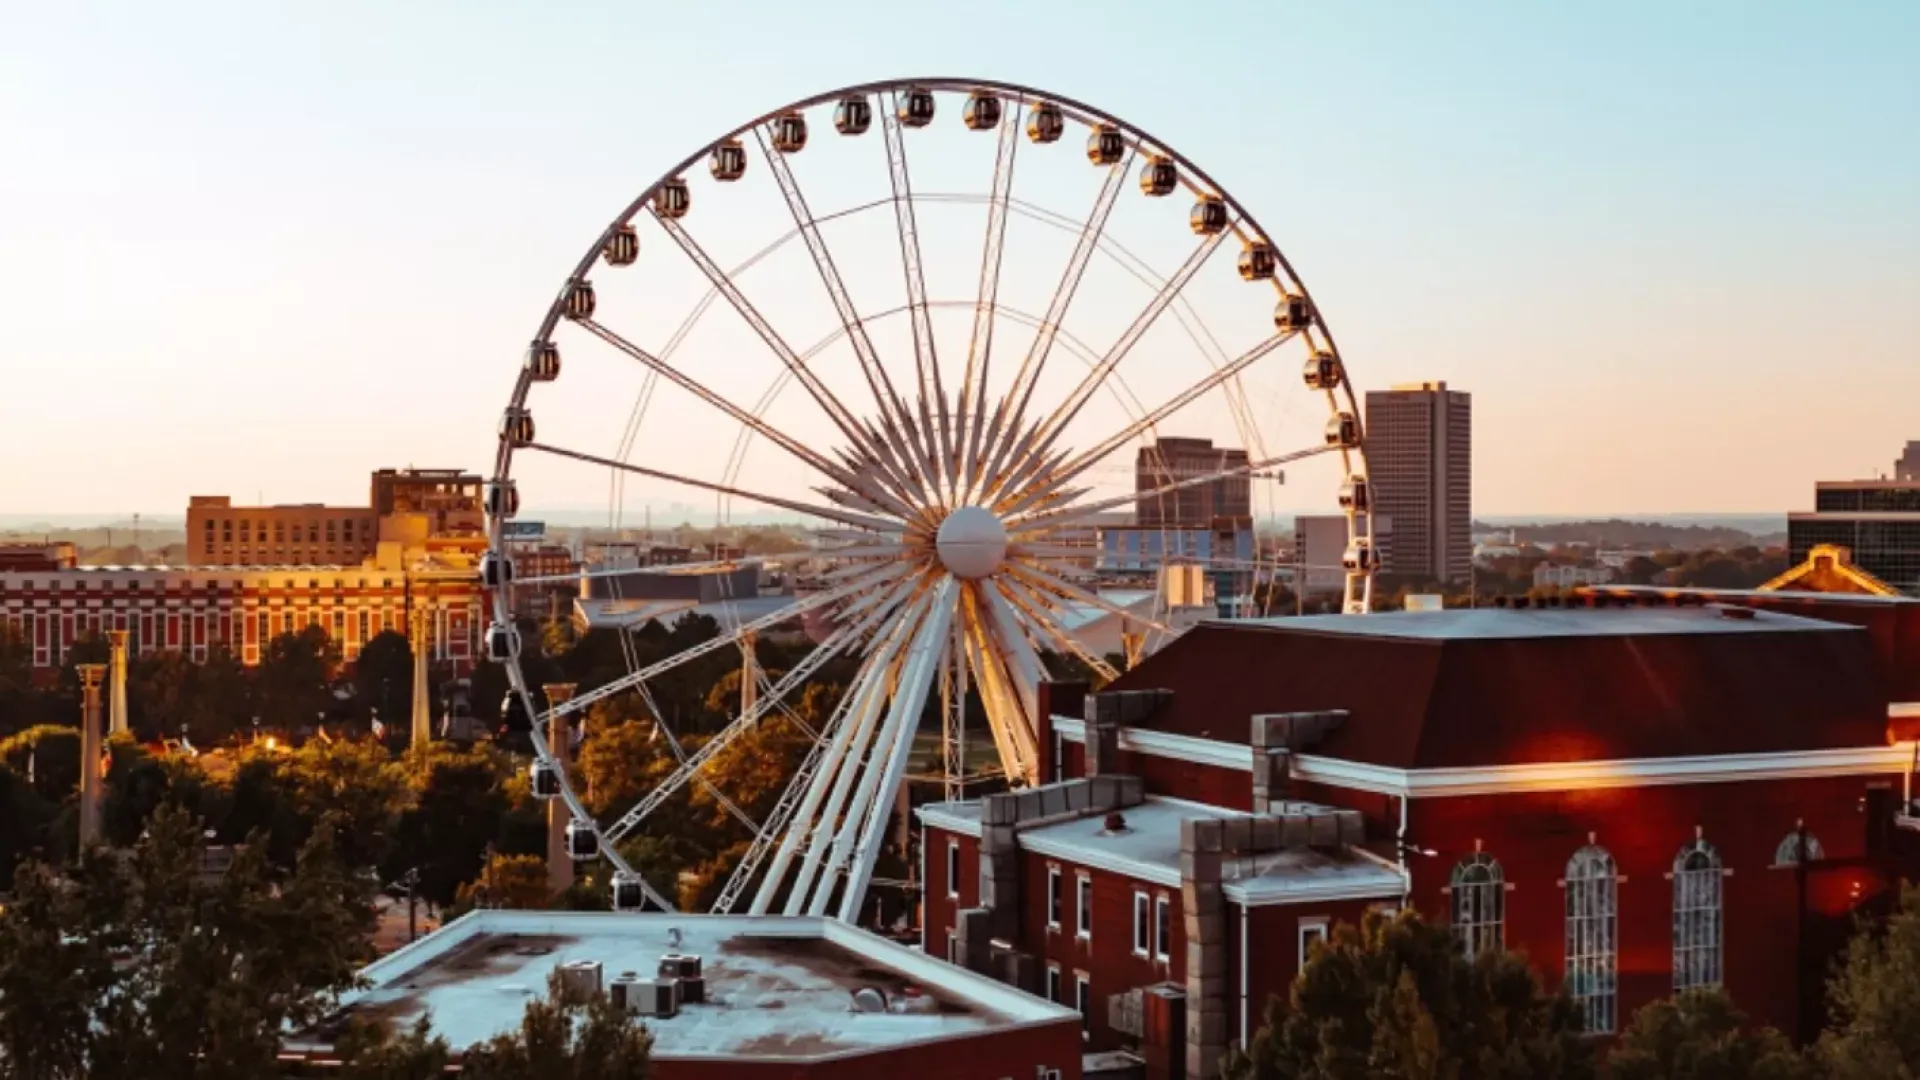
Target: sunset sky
pixel 1672 250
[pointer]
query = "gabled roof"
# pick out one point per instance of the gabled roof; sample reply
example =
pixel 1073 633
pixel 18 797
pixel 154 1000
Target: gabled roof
pixel 1495 687
pixel 1829 569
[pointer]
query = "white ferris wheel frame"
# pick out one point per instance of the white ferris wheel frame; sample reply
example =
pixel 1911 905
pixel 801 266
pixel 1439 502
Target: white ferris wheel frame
pixel 899 478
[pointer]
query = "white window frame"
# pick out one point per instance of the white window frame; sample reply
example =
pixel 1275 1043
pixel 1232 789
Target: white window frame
pixel 1142 928
pixel 953 869
pixel 1054 898
pixel 1056 984
pixel 1083 1000
pixel 1479 895
pixel 1698 923
pixel 1162 927
pixel 1083 906
pixel 953 948
pixel 1312 928
pixel 1593 937
pixel 1788 851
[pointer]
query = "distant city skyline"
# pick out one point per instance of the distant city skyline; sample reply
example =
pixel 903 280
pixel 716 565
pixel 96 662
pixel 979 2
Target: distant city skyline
pixel 261 256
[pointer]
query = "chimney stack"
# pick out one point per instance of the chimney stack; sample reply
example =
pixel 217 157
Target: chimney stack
pixel 117 683
pixel 90 742
pixel 559 814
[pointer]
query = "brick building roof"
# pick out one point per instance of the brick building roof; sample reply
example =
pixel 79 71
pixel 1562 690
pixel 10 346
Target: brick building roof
pixel 1497 687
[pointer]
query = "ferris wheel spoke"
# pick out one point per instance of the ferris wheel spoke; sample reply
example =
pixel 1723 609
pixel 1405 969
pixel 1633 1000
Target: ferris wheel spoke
pixel 1046 581
pixel 593 575
pixel 851 479
pixel 855 329
pixel 829 513
pixel 1082 511
pixel 973 387
pixel 1058 475
pixel 822 396
pixel 1040 609
pixel 691 765
pixel 1057 422
pixel 926 360
pixel 730 638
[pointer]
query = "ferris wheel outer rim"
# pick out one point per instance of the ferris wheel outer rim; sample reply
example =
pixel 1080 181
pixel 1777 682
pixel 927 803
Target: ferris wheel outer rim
pixel 1081 112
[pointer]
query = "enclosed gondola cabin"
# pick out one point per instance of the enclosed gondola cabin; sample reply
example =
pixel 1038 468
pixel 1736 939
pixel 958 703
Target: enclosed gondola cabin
pixel 789 132
pixel 622 247
pixel 1209 216
pixel 1356 494
pixel 496 570
pixel 672 199
pixel 1159 176
pixel 628 894
pixel 1343 431
pixel 579 302
pixel 1360 558
pixel 1292 313
pixel 728 162
pixel 982 111
pixel 582 844
pixel 1045 123
pixel 503 642
pixel 543 777
pixel 1257 261
pixel 1322 371
pixel 1106 146
pixel 543 361
pixel 852 116
pixel 915 107
pixel 502 498
pixel 516 426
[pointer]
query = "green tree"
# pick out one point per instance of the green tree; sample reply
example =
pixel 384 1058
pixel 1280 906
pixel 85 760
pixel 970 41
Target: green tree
pixel 458 799
pixel 383 678
pixel 369 1050
pixel 562 1037
pixel 293 677
pixel 508 881
pixel 1397 997
pixel 1700 1035
pixel 138 965
pixel 1873 999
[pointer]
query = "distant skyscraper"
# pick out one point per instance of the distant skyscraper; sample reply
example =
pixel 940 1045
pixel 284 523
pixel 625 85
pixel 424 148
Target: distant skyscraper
pixel 1420 459
pixel 1908 467
pixel 1172 460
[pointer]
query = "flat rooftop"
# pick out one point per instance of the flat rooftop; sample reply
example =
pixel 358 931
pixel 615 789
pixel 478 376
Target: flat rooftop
pixel 1149 850
pixel 776 987
pixel 1491 624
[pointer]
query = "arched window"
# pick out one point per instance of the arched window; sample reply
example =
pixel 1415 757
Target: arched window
pixel 1696 917
pixel 1791 845
pixel 1593 943
pixel 1479 903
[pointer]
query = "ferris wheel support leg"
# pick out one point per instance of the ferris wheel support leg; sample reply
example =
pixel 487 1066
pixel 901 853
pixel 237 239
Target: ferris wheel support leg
pixel 799 822
pixel 817 829
pixel 910 698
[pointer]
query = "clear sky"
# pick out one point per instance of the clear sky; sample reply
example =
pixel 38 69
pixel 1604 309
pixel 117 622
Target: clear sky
pixel 260 249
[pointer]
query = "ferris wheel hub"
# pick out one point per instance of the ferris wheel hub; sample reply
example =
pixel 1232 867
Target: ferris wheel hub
pixel 971 543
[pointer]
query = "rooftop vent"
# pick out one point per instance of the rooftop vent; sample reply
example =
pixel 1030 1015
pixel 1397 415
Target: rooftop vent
pixel 869 999
pixel 1115 823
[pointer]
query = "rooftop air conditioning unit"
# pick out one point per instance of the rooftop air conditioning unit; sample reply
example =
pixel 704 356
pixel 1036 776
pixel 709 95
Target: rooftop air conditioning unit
pixel 685 969
pixel 580 979
pixel 657 998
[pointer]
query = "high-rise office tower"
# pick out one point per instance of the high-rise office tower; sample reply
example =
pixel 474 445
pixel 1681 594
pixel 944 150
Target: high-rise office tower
pixel 1170 461
pixel 1420 459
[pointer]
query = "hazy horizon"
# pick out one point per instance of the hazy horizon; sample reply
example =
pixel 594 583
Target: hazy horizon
pixel 263 252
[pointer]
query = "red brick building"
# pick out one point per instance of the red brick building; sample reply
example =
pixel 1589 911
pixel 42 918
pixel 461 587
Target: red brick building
pixel 1641 798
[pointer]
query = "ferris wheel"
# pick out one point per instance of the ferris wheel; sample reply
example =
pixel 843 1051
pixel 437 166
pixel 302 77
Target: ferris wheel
pixel 942 366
